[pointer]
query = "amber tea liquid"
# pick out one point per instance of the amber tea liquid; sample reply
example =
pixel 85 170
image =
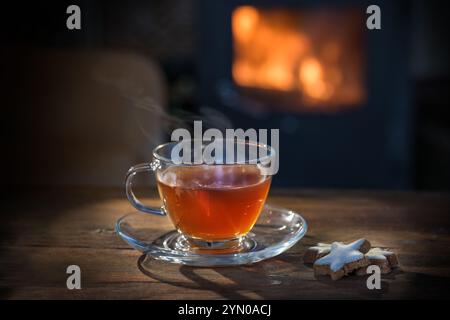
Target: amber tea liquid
pixel 213 203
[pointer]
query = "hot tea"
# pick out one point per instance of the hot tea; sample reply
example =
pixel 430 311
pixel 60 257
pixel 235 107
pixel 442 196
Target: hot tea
pixel 213 203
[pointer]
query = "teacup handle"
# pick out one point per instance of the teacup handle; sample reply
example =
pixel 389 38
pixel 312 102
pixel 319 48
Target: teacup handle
pixel 143 167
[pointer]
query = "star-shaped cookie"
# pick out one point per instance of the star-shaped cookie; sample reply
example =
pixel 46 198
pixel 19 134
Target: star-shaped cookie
pixel 343 259
pixel 385 259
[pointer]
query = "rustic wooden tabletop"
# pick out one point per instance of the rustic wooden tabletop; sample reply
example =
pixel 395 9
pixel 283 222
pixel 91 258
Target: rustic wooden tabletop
pixel 44 231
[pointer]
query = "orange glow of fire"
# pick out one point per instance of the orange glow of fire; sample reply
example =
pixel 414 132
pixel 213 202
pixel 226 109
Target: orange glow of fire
pixel 273 52
pixel 244 22
pixel 312 80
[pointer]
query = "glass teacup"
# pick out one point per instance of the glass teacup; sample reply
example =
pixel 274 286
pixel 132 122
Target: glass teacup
pixel 212 203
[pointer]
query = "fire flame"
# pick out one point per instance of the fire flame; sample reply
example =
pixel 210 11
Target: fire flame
pixel 273 52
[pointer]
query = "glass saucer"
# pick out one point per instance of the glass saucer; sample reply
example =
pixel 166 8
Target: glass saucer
pixel 275 231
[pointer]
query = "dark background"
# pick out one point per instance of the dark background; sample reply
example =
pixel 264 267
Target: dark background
pixel 80 107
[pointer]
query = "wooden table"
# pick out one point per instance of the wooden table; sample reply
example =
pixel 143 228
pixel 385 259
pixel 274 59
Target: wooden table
pixel 44 231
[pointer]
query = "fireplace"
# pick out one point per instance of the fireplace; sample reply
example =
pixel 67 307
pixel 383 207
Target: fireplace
pixel 337 91
pixel 299 58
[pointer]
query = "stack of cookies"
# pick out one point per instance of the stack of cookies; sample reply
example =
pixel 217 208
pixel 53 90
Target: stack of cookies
pixel 338 259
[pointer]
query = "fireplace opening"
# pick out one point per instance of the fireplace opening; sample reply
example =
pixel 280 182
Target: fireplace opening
pixel 299 60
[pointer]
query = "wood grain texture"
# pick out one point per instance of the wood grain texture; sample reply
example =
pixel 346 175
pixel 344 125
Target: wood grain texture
pixel 44 231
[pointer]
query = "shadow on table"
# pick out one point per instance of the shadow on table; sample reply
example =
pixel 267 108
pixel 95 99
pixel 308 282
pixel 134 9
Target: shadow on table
pixel 269 279
pixel 281 278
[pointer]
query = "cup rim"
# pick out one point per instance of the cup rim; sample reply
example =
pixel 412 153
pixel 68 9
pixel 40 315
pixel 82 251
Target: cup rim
pixel 270 155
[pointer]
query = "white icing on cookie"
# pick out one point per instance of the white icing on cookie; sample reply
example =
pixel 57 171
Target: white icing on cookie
pixel 342 254
pixel 378 254
pixel 321 248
